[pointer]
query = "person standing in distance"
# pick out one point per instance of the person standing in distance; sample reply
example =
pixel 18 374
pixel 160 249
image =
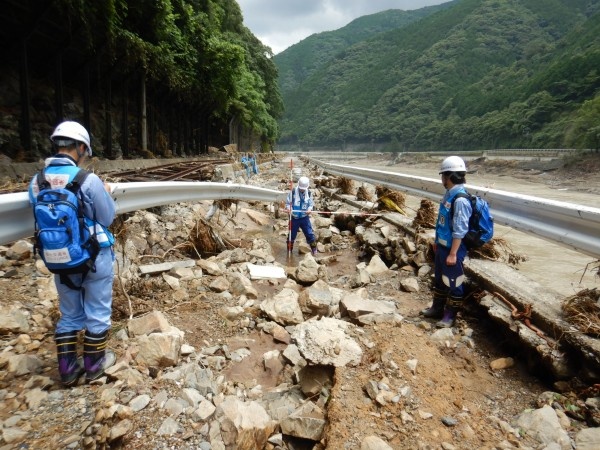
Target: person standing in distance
pixel 254 163
pixel 246 162
pixel 89 306
pixel 450 251
pixel 300 203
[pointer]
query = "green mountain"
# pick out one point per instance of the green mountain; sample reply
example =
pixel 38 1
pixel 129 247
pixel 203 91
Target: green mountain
pixel 476 74
pixel 302 59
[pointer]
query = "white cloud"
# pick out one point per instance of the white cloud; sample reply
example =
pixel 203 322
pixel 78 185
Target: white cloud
pixel 281 23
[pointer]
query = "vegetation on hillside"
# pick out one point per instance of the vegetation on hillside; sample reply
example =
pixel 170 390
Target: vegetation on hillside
pixel 477 74
pixel 307 56
pixel 200 49
pixel 195 52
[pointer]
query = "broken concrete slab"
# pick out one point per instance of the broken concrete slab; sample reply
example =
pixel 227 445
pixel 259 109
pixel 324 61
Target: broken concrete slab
pixel 266 272
pixel 583 352
pixel 166 266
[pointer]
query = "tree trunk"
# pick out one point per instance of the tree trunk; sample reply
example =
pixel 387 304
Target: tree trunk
pixel 144 114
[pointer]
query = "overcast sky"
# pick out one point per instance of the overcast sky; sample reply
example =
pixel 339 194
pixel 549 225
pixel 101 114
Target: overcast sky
pixel 281 23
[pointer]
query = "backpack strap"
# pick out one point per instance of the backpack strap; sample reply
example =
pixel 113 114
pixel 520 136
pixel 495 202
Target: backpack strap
pixel 41 180
pixel 459 195
pixel 64 279
pixel 77 181
pixel 75 187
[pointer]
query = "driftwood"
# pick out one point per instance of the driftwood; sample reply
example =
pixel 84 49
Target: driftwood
pixel 390 200
pixel 426 215
pixel 346 186
pixel 583 311
pixel 362 194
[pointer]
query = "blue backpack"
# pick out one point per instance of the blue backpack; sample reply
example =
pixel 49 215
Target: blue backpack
pixel 481 222
pixel 61 237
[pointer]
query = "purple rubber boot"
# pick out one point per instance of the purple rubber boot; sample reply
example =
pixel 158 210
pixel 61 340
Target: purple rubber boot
pixel 69 367
pixel 96 359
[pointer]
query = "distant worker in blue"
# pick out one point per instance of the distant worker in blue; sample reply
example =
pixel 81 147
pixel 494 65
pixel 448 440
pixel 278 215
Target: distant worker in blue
pixel 300 204
pixel 254 164
pixel 450 250
pixel 246 162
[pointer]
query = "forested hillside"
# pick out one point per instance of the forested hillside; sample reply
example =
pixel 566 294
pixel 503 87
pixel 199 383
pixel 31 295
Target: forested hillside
pixel 305 57
pixel 202 77
pixel 477 74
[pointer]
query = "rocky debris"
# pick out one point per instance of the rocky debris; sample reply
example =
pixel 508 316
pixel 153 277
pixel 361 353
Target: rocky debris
pixel 167 392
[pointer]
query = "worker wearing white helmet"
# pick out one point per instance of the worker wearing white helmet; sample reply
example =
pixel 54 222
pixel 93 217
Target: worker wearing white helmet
pixel 69 134
pixel 85 299
pixel 451 226
pixel 300 204
pixel 303 183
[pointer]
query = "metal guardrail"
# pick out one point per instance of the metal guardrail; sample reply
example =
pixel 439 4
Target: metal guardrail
pixel 572 225
pixel 569 224
pixel 348 153
pixel 16 218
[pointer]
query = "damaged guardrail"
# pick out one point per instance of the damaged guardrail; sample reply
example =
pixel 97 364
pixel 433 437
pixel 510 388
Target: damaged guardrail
pixel 569 224
pixel 16 218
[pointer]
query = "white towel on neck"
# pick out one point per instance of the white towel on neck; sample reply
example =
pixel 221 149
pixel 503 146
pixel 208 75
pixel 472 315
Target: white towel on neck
pixel 298 195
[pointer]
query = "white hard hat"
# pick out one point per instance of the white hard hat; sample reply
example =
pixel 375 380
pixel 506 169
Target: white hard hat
pixel 70 130
pixel 303 183
pixel 453 164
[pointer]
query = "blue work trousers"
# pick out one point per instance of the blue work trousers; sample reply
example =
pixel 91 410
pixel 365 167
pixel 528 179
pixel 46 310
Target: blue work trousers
pixel 89 308
pixel 302 223
pixel 449 279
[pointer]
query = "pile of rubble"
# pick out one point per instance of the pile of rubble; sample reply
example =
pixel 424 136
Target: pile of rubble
pixel 186 328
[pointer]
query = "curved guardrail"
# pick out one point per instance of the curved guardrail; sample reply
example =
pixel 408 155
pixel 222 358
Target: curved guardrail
pixel 569 224
pixel 515 152
pixel 16 218
pixel 575 226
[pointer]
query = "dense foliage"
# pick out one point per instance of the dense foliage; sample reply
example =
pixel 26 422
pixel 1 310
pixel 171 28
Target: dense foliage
pixel 475 74
pixel 307 56
pixel 197 52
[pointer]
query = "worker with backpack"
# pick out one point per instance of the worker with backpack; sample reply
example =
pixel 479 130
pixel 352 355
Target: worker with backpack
pixel 463 222
pixel 73 210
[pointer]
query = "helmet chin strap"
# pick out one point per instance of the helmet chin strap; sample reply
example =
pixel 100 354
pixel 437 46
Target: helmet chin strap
pixel 80 155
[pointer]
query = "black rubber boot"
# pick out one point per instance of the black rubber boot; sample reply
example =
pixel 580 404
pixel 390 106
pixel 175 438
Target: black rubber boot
pixel 96 358
pixel 69 367
pixel 436 310
pixel 452 306
pixel 313 248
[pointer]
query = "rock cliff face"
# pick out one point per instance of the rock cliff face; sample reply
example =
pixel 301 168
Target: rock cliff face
pixel 170 132
pixel 42 114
